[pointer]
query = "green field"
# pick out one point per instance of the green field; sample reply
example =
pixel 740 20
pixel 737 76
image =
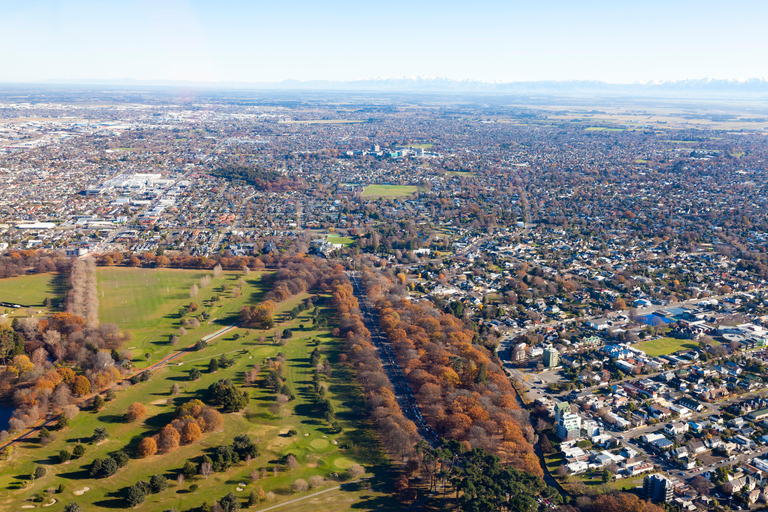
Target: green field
pixel 317 449
pixel 603 129
pixel 665 346
pixel 461 174
pixel 145 302
pixel 374 191
pixel 33 289
pixel 334 239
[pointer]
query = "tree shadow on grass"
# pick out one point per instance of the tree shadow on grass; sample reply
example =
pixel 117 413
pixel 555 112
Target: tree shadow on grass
pixel 159 421
pixel 50 460
pixel 115 500
pixel 80 474
pixel 179 378
pixel 112 418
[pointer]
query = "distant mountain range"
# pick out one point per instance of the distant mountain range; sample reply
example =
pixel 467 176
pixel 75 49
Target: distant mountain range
pixel 751 87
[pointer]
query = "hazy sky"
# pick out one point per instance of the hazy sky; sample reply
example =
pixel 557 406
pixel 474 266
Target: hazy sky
pixel 252 41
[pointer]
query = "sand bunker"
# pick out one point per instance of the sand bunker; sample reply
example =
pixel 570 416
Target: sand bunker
pixel 52 502
pixel 240 489
pixel 82 491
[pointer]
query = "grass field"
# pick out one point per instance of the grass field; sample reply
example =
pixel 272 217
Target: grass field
pixel 373 191
pixel 333 239
pixel 317 449
pixel 461 174
pixel 665 346
pixel 32 291
pixel 145 302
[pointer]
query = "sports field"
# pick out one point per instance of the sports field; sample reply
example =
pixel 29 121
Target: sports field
pixel 33 289
pixel 317 449
pixel 665 346
pixel 374 191
pixel 333 239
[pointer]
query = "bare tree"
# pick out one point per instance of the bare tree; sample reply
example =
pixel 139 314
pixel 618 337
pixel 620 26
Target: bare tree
pixel 206 468
pixel 300 485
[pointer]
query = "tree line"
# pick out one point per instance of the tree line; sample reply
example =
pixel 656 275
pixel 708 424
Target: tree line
pixel 461 390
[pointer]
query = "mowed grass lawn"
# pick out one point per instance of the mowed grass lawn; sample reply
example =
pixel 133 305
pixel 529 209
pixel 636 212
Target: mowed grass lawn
pixel 317 449
pixel 665 346
pixel 146 302
pixel 32 290
pixel 373 191
pixel 334 239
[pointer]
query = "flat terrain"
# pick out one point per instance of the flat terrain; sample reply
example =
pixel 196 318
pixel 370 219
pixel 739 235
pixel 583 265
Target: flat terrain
pixel 145 302
pixel 665 346
pixel 340 240
pixel 373 191
pixel 33 289
pixel 318 450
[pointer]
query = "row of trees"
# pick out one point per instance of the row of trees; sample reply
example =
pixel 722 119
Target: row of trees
pixel 397 433
pixel 83 298
pixel 461 390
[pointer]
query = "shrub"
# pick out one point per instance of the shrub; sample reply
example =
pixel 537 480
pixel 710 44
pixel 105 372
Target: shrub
pixel 62 423
pixel 193 488
pixel 78 451
pixel 195 374
pixel 73 507
pixel 40 472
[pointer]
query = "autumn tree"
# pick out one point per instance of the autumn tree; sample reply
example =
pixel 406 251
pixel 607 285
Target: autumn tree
pixel 147 447
pixel 135 411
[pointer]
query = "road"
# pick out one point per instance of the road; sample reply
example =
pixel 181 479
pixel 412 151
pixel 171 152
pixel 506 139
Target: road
pixel 51 419
pixel 403 391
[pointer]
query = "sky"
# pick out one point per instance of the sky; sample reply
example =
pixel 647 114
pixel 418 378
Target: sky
pixel 618 41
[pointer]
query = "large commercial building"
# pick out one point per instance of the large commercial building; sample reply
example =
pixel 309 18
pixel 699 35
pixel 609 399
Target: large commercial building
pixel 567 424
pixel 657 488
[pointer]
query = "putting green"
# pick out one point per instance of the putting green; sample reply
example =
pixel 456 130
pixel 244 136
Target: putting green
pixel 343 463
pixel 319 444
